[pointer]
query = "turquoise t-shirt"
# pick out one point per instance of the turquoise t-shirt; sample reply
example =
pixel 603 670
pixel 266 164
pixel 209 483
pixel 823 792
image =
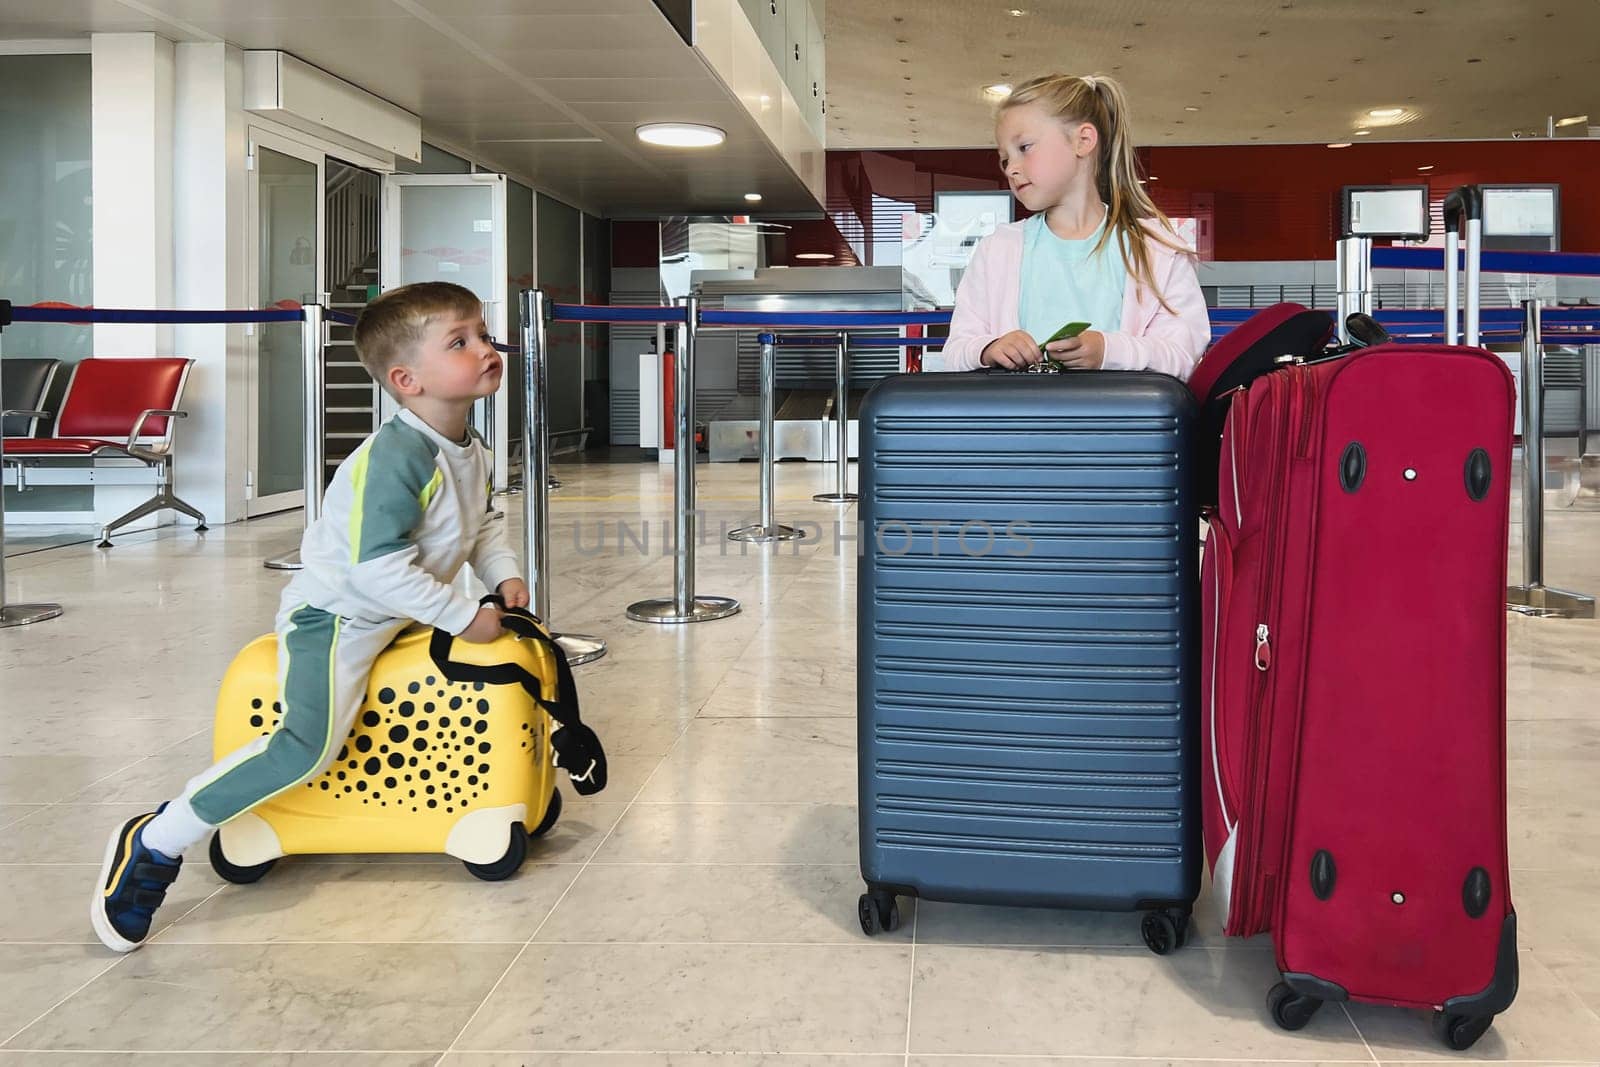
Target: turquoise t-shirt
pixel 1062 282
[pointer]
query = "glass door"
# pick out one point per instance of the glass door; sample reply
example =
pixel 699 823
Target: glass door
pixel 286 203
pixel 452 228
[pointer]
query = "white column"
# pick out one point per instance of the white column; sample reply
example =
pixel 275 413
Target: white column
pixel 132 97
pixel 210 246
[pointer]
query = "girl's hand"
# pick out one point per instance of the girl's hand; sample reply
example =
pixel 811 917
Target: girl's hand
pixel 1087 351
pixel 1016 350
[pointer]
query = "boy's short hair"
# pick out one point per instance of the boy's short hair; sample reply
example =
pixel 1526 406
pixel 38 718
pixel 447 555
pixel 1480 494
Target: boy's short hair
pixel 390 327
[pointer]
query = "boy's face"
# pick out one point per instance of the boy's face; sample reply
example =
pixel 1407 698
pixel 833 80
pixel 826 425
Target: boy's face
pixel 454 361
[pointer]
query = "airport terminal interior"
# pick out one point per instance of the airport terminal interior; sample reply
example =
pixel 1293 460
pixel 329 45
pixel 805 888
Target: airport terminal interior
pixel 711 239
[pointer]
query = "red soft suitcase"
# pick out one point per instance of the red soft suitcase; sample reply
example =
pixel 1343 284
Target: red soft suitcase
pixel 1353 682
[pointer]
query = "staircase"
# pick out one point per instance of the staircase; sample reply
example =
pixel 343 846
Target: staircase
pixel 350 403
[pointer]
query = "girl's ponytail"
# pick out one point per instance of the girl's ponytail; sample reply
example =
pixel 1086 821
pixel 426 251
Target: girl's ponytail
pixel 1101 101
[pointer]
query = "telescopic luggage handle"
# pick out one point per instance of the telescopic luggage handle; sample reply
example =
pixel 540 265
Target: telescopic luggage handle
pixel 1462 208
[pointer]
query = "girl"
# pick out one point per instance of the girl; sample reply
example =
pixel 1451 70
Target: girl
pixel 1098 251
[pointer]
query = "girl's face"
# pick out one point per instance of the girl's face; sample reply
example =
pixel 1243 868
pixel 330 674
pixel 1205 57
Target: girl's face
pixel 1043 157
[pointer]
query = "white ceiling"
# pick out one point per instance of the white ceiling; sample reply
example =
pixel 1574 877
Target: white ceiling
pixel 547 89
pixel 910 73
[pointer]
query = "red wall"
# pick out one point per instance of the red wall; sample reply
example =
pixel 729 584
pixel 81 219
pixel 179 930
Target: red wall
pixel 1266 201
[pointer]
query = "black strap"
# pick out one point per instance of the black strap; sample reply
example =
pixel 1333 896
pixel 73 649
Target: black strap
pixel 163 873
pixel 577 747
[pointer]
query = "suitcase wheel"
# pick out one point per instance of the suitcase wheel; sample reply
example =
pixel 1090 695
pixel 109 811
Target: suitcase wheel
pixel 1164 931
pixel 1291 1010
pixel 878 911
pixel 552 812
pixel 231 872
pixel 1460 1032
pixel 506 865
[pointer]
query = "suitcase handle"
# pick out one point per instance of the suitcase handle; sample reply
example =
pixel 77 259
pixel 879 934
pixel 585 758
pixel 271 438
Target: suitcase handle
pixel 575 744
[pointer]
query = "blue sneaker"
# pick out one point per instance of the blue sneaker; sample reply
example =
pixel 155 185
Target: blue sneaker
pixel 133 884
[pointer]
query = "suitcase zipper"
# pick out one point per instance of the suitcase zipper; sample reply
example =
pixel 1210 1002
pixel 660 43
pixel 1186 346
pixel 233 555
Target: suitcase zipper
pixel 1260 719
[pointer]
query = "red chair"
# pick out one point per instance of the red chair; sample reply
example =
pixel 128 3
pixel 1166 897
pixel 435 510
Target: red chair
pixel 119 410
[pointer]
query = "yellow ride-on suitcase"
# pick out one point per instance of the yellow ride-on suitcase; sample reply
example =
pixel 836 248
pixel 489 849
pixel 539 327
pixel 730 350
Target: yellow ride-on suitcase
pixel 453 751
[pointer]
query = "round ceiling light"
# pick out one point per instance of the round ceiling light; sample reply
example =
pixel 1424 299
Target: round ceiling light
pixel 999 90
pixel 1341 144
pixel 813 255
pixel 754 198
pixel 1363 133
pixel 680 135
pixel 1387 112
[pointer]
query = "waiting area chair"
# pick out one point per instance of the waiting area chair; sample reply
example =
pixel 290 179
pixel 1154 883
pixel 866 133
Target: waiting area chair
pixel 118 413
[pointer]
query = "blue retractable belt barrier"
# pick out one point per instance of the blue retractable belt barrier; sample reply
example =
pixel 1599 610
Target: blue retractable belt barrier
pixel 149 317
pixel 1572 263
pixel 610 313
pixel 838 320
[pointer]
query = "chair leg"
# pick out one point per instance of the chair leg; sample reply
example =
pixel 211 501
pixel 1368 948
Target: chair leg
pixel 149 507
pixel 179 504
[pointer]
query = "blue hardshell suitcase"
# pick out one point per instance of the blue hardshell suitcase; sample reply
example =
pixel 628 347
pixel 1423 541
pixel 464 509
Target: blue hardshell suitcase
pixel 1028 645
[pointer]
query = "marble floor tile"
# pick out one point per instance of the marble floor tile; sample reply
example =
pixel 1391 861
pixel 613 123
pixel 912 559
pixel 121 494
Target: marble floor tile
pixel 762 760
pixel 699 998
pixel 39 976
pixel 1547 1022
pixel 707 903
pixel 275 998
pixel 50 904
pixel 1210 1003
pixel 339 902
pixel 734 833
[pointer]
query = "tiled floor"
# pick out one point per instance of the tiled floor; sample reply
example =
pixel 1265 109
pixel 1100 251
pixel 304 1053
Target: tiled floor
pixel 705 902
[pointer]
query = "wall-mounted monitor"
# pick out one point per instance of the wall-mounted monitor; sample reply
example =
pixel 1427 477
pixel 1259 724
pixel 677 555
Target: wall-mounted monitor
pixel 1521 211
pixel 1395 212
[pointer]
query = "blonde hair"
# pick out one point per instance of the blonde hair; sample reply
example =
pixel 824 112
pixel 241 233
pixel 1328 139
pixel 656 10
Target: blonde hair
pixel 390 328
pixel 1100 101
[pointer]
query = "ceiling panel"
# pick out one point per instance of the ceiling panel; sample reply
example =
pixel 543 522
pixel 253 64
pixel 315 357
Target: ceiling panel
pixel 903 74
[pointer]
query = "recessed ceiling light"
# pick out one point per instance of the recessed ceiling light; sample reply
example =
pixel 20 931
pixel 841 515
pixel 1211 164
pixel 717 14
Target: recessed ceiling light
pixel 1387 112
pixel 1427 166
pixel 1363 133
pixel 1573 120
pixel 999 90
pixel 680 134
pixel 754 198
pixel 1341 144
pixel 1016 12
pixel 1154 178
pixel 1191 107
pixel 813 255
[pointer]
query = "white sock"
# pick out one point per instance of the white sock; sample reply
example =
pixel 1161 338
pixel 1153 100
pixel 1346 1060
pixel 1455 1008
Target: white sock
pixel 175 830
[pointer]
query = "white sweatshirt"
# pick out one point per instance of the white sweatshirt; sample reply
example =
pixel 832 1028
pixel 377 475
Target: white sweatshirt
pixel 405 511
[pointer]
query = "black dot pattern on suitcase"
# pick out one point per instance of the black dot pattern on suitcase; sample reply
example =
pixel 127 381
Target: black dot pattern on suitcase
pixel 453 746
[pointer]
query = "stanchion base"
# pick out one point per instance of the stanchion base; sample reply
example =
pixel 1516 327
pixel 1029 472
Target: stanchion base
pixel 836 498
pixel 1544 602
pixel 26 614
pixel 762 535
pixel 581 648
pixel 665 610
pixel 289 561
pixel 554 483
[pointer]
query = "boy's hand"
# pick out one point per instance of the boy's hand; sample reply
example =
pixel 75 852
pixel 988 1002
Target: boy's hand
pixel 1087 351
pixel 485 626
pixel 514 591
pixel 1016 350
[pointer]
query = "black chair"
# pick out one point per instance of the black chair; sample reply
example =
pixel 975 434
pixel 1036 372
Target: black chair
pixel 24 387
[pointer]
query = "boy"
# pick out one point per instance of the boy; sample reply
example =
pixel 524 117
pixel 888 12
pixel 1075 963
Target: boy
pixel 403 513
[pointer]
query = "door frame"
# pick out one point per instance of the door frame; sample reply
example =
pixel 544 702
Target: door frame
pixel 256 138
pixel 496 409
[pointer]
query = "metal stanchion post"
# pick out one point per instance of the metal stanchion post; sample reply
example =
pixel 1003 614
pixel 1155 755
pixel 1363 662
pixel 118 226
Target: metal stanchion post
pixel 1533 597
pixel 1354 267
pixel 684 605
pixel 312 337
pixel 15 614
pixel 580 648
pixel 841 412
pixel 767 529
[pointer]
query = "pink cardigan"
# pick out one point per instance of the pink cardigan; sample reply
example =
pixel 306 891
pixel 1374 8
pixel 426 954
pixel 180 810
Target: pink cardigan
pixel 1151 338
